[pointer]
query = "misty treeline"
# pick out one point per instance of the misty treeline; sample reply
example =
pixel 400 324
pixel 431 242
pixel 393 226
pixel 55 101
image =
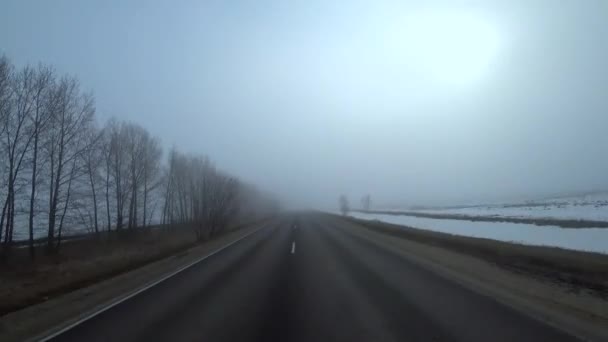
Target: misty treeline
pixel 344 204
pixel 61 171
pixel 366 202
pixel 200 195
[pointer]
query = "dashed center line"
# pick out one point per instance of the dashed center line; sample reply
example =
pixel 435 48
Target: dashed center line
pixel 293 247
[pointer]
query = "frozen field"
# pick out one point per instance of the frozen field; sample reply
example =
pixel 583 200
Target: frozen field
pixel 584 239
pixel 593 207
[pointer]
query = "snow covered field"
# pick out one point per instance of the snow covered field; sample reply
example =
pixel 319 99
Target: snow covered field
pixel 584 239
pixel 592 207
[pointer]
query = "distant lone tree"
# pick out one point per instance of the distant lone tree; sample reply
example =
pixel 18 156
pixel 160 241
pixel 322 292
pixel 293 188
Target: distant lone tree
pixel 344 207
pixel 366 202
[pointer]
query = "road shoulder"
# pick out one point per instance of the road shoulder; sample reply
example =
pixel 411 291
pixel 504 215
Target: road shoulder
pixel 56 313
pixel 580 314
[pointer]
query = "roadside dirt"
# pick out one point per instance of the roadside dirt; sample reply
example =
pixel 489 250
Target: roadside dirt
pixel 580 310
pixel 62 310
pixel 575 270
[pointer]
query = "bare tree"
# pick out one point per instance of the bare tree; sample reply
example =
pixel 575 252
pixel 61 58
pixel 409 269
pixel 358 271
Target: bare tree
pixel 132 165
pixel 118 164
pixel 136 138
pixel 107 152
pixel 224 202
pixel 344 206
pixel 40 116
pixel 6 92
pixel 16 140
pixel 169 194
pixel 144 160
pixel 92 159
pixel 72 114
pixel 151 173
pixel 366 202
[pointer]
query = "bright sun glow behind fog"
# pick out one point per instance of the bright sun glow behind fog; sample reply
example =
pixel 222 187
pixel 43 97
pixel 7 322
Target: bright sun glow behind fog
pixel 451 47
pixel 397 61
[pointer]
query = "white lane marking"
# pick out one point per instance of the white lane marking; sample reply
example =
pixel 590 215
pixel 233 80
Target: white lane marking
pixel 104 307
pixel 293 247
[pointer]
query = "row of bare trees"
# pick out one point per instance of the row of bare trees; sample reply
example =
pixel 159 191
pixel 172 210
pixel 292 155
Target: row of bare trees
pixel 199 194
pixel 130 161
pixel 59 171
pixel 45 122
pixel 209 200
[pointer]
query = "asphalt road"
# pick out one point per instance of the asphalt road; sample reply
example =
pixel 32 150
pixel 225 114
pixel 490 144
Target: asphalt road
pixel 315 282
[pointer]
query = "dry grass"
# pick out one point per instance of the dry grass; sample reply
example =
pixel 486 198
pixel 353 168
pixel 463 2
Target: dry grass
pixel 83 262
pixel 579 271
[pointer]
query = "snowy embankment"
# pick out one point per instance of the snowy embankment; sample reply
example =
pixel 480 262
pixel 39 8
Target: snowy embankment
pixel 583 239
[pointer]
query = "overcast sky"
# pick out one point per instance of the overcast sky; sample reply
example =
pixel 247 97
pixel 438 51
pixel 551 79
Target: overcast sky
pixel 431 102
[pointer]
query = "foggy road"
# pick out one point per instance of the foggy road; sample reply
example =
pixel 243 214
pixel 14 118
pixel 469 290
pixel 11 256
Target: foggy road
pixel 309 279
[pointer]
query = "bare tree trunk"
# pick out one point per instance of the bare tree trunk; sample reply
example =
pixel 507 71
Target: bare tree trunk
pixel 145 196
pixel 33 196
pixel 9 223
pixel 65 208
pixel 108 199
pixel 145 199
pixel 151 214
pixel 7 228
pixel 134 203
pixel 2 217
pixel 50 231
pixel 132 200
pixel 167 199
pixel 55 199
pixel 10 220
pixel 94 201
pixel 119 218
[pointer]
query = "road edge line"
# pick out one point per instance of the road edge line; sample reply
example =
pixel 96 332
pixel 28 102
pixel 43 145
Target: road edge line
pixel 54 332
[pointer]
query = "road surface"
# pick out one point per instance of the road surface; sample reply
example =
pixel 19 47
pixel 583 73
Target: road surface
pixel 309 279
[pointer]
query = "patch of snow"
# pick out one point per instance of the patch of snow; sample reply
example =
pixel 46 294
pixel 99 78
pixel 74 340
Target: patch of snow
pixel 593 207
pixel 583 239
